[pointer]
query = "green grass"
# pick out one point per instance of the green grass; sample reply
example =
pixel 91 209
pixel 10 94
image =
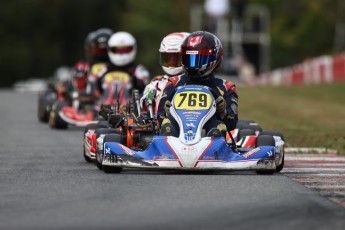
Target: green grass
pixel 308 116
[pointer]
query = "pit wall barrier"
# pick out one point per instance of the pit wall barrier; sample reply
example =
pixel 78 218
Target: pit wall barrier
pixel 323 69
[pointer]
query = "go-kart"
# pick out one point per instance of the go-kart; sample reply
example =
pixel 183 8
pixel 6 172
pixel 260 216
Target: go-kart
pixel 47 97
pixel 192 106
pixel 80 115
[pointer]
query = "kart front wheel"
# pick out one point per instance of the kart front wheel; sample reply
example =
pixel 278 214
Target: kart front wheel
pixel 87 159
pixel 55 121
pixel 111 137
pixel 265 140
pixel 279 134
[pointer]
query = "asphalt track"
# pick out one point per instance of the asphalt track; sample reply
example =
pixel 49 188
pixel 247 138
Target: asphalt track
pixel 46 184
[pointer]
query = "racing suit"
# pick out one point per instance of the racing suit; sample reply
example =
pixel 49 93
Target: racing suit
pixel 136 75
pixel 226 89
pixel 129 77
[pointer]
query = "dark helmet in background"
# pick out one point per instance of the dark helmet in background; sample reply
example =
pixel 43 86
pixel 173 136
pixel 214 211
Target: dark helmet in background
pixel 96 45
pixel 202 53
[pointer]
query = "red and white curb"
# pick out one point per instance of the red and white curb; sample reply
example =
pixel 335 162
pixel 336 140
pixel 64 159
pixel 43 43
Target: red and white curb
pixel 322 172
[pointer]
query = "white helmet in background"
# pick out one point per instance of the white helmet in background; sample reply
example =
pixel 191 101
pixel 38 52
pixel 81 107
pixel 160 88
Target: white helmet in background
pixel 170 57
pixel 122 48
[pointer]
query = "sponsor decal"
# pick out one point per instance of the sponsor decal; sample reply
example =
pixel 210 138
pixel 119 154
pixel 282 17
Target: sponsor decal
pixel 190 125
pixel 270 153
pixel 251 153
pixel 195 40
pixel 189 135
pixel 208 158
pixel 89 142
pixel 191 112
pixel 192 52
pixel 234 108
pixel 164 157
pixel 107 150
pixel 127 150
pixel 190 149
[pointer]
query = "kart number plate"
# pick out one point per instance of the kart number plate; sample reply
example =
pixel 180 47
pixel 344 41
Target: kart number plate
pixel 96 68
pixel 116 76
pixel 192 100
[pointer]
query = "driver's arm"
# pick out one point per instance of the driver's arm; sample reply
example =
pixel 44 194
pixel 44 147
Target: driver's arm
pixel 231 99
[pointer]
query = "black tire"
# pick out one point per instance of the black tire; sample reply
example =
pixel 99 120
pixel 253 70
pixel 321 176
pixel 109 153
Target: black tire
pixel 112 137
pixel 106 131
pixel 93 126
pixel 244 122
pixel 103 123
pixel 279 134
pixel 245 132
pixel 87 159
pixel 274 133
pixel 281 166
pixel 45 101
pixel 55 121
pixel 253 127
pixel 265 140
pixel 98 132
pixel 99 161
pixel 110 169
pixel 42 113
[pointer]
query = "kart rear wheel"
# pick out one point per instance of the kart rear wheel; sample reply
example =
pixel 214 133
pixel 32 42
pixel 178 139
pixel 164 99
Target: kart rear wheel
pixel 265 140
pixel 279 134
pixel 244 133
pixel 274 133
pixel 244 122
pixel 256 128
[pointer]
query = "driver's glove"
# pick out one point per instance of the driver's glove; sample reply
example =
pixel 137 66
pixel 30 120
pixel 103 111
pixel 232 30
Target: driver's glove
pixel 221 107
pixel 167 106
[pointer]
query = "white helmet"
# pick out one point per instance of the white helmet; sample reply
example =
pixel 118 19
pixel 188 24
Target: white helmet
pixel 170 57
pixel 122 48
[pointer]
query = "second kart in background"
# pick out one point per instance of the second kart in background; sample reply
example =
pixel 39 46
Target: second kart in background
pixel 127 74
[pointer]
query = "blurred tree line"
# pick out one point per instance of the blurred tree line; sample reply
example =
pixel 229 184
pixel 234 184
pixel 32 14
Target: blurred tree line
pixel 37 36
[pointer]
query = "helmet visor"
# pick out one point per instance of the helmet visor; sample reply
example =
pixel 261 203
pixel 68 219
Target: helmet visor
pixel 121 49
pixel 171 60
pixel 195 60
pixel 191 58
